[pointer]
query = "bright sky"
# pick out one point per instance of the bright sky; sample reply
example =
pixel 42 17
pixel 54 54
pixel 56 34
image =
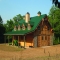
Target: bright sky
pixel 10 8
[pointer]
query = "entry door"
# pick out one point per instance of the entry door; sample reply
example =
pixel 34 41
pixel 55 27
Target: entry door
pixel 43 41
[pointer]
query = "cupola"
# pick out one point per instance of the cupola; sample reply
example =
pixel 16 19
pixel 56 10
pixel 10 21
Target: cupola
pixel 39 13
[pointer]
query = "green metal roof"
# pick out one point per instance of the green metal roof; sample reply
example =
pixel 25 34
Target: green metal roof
pixel 33 21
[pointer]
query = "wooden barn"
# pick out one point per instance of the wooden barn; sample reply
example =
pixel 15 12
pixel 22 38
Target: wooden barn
pixel 33 31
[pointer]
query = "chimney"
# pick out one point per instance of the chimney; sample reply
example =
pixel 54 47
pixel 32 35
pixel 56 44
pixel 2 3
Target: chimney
pixel 23 27
pixel 15 28
pixel 19 28
pixel 29 26
pixel 39 13
pixel 27 17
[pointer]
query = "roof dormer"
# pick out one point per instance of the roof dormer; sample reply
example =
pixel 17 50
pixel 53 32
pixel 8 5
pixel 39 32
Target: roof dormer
pixel 15 28
pixel 23 27
pixel 29 26
pixel 19 28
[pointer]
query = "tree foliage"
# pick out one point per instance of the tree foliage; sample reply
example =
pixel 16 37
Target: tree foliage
pixel 56 2
pixel 54 17
pixel 1 21
pixel 2 30
pixel 10 23
pixel 17 18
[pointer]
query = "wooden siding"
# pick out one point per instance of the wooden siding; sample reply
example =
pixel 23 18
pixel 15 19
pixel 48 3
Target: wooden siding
pixel 44 34
pixel 29 40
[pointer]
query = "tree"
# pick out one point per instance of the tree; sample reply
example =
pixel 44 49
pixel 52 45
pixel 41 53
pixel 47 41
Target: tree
pixel 54 18
pixel 2 30
pixel 56 2
pixel 17 18
pixel 9 25
pixel 1 22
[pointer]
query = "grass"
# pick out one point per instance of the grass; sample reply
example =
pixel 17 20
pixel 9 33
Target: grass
pixel 6 47
pixel 36 58
pixel 22 54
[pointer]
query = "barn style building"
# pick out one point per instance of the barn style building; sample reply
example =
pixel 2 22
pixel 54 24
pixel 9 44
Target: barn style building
pixel 33 31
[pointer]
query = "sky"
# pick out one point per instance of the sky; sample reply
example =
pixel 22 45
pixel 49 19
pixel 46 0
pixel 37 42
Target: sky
pixel 11 8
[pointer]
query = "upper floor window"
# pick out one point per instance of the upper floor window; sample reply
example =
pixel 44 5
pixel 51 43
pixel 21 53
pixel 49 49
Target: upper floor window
pixel 42 37
pixel 45 37
pixel 38 27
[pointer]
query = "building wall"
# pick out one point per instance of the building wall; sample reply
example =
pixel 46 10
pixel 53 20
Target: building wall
pixel 29 40
pixel 44 34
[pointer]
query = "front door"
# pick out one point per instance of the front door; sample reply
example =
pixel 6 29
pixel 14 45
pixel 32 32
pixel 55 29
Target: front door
pixel 43 40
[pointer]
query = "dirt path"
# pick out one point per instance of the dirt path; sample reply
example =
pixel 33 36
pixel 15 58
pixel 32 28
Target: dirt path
pixel 31 52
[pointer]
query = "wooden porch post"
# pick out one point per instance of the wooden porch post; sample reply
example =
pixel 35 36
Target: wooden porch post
pixel 18 40
pixel 8 39
pixel 24 41
pixel 12 39
pixel 5 39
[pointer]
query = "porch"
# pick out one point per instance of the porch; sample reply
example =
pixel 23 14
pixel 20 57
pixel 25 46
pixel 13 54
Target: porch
pixel 24 41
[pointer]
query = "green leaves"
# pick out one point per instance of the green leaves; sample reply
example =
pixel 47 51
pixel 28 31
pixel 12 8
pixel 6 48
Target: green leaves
pixel 12 22
pixel 17 18
pixel 1 21
pixel 54 18
pixel 15 42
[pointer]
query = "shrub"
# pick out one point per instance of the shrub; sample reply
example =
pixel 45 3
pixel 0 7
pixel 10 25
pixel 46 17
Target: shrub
pixel 55 42
pixel 15 42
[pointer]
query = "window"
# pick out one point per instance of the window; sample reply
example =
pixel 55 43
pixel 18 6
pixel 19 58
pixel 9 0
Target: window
pixel 42 37
pixel 45 37
pixel 38 27
pixel 22 37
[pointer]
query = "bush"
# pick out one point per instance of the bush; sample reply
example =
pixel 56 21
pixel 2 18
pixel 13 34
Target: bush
pixel 15 42
pixel 10 43
pixel 55 42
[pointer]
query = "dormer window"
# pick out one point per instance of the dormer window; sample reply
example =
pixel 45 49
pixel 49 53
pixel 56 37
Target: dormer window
pixel 23 27
pixel 29 26
pixel 15 28
pixel 19 28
